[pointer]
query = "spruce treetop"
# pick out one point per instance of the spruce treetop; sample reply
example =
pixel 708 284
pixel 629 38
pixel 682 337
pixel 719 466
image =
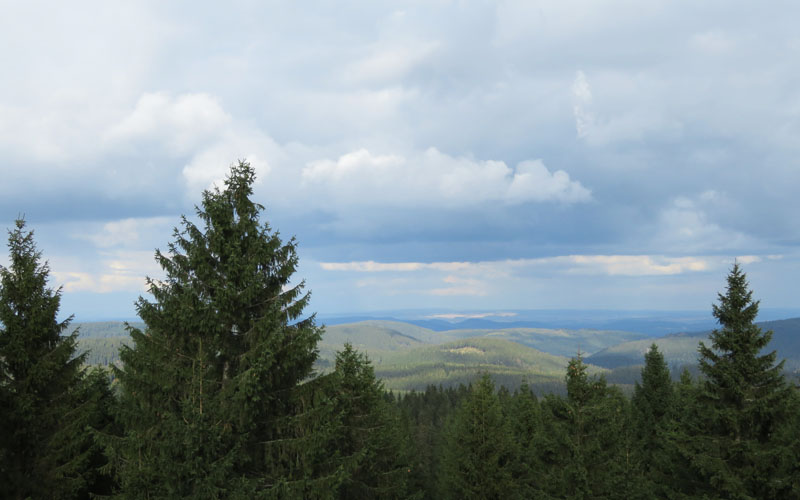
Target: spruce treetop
pixel 28 307
pixel 212 394
pixel 733 359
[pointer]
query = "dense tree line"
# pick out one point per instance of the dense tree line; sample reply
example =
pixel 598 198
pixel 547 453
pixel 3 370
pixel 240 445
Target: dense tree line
pixel 216 398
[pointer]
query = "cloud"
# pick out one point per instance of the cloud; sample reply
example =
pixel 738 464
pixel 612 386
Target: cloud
pixel 182 123
pixel 126 232
pixel 372 266
pixel 712 42
pixel 388 62
pixel 634 265
pixel 115 271
pixel 748 259
pixel 458 286
pixel 433 178
pixel 582 99
pixel 685 225
pixel 610 265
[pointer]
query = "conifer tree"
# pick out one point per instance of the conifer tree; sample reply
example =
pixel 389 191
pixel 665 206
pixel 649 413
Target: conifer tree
pixel 745 402
pixel 212 397
pixel 369 436
pixel 683 480
pixel 526 428
pixel 427 414
pixel 478 453
pixel 583 451
pixel 45 444
pixel 652 407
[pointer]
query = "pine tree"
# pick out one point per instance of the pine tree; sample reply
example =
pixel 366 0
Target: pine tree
pixel 479 452
pixel 369 436
pixel 745 402
pixel 583 449
pixel 213 400
pixel 45 445
pixel 526 428
pixel 427 414
pixel 652 406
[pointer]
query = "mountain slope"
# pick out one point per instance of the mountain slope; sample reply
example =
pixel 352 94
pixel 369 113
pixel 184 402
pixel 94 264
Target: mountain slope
pixel 461 361
pixel 560 342
pixel 681 349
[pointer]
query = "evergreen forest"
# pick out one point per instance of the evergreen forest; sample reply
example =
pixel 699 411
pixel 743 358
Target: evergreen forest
pixel 217 396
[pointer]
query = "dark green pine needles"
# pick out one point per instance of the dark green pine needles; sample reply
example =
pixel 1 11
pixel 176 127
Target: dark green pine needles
pixel 210 389
pixel 738 442
pixel 47 409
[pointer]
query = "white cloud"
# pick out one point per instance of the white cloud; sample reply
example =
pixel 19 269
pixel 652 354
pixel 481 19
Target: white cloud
pixel 370 266
pixel 183 123
pixel 685 225
pixel 126 232
pixel 196 127
pixel 635 265
pixel 610 265
pixel 712 42
pixel 748 259
pixel 433 178
pixel 209 165
pixel 121 270
pixel 388 63
pixel 582 99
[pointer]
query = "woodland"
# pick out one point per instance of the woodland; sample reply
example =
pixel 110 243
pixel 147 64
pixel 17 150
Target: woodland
pixel 217 396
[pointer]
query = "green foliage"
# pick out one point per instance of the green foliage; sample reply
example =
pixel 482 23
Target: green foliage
pixel 583 451
pixel 652 413
pixel 211 398
pixel 742 405
pixel 462 361
pixel 478 458
pixel 47 449
pixel 560 342
pixel 525 418
pixel 369 436
pixel 426 414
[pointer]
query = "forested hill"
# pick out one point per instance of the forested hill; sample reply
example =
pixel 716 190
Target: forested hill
pixel 681 348
pixel 408 356
pixel 104 329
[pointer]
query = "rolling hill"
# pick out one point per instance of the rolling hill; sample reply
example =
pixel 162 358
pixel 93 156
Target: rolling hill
pixel 561 342
pixel 461 361
pixel 408 356
pixel 681 349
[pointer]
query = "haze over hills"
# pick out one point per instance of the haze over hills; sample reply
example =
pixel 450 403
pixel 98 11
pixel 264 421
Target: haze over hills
pixel 652 323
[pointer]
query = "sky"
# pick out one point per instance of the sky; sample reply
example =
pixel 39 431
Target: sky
pixel 441 155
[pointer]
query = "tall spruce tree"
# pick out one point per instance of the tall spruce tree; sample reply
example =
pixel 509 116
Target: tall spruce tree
pixel 652 412
pixel 369 438
pixel 744 404
pixel 45 444
pixel 526 428
pixel 478 455
pixel 582 450
pixel 212 397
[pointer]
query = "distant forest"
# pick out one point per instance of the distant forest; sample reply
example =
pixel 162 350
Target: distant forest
pixel 215 395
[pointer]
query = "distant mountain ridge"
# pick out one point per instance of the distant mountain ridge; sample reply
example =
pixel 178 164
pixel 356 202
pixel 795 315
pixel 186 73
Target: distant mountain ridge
pixel 681 348
pixel 649 323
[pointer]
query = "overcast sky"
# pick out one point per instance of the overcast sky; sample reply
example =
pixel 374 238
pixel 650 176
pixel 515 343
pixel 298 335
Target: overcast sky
pixel 433 154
